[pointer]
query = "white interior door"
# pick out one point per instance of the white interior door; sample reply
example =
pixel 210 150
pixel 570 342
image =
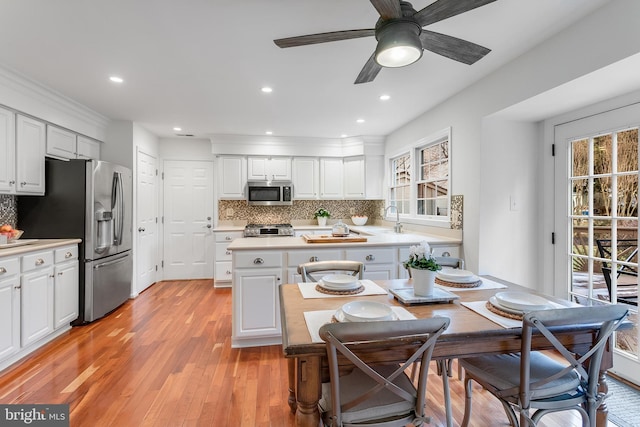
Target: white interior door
pixel 188 219
pixel 146 229
pixel 597 219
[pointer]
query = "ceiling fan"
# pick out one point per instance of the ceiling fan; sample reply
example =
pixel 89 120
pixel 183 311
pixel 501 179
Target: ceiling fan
pixel 401 38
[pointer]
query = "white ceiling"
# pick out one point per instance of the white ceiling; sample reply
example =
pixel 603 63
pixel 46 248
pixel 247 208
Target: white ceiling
pixel 200 64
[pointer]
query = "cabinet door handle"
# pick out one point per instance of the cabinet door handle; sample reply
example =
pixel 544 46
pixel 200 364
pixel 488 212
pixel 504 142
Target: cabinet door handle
pixel 370 258
pixel 17 287
pixel 228 238
pixel 258 261
pixel 68 255
pixel 228 252
pixel 23 183
pixel 446 254
pixel 228 272
pixel 313 259
pixel 52 275
pixel 12 182
pixel 3 270
pixel 39 261
pixel 60 274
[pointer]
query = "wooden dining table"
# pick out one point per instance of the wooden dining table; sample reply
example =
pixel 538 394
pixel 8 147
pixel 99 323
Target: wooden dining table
pixel 469 334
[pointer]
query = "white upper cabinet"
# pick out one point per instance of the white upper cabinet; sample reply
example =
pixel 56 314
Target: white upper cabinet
pixel 63 144
pixel 233 177
pixel 331 178
pixel 30 152
pixel 7 152
pixel 354 177
pixel 87 148
pixel 269 169
pixel 305 178
pixel 374 177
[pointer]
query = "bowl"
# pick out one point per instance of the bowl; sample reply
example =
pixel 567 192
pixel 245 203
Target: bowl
pixel 359 220
pixel 15 235
pixel 367 311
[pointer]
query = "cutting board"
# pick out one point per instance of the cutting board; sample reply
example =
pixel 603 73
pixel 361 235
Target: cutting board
pixel 328 238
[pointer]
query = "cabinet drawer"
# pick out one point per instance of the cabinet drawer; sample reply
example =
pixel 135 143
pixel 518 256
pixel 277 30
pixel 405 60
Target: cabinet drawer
pixel 68 253
pixel 227 236
pixel 372 256
pixel 223 271
pixel 258 259
pixel 222 253
pixel 300 257
pixel 37 261
pixel 9 267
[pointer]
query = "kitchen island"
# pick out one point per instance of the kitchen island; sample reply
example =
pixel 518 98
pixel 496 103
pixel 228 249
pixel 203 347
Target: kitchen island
pixel 261 265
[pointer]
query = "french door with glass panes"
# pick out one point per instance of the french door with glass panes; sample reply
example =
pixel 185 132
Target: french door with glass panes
pixel 597 219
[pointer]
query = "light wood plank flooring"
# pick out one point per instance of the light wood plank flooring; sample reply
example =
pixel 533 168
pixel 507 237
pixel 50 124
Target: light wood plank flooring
pixel 165 359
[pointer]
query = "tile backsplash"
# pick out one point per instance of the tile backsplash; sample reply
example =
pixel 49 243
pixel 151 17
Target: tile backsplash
pixel 8 210
pixel 300 210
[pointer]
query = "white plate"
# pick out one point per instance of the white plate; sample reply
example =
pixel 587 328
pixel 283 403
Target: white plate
pixel 340 317
pixel 457 276
pixel 522 301
pixel 366 311
pixel 494 302
pixel 339 281
pixel 350 287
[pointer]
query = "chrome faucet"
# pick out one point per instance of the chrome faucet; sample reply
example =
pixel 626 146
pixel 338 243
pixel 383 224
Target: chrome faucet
pixel 398 227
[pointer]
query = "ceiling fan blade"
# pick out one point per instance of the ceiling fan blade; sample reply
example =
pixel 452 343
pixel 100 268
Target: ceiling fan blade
pixel 443 9
pixel 324 37
pixel 452 47
pixel 369 71
pixel 387 9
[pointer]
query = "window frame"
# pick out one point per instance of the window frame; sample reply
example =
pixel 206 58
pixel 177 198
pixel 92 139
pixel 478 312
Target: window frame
pixel 413 150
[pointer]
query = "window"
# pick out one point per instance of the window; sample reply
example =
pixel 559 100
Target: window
pixel 433 185
pixel 424 197
pixel 400 191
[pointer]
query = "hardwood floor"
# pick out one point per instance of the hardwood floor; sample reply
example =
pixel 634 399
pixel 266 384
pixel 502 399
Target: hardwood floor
pixel 165 359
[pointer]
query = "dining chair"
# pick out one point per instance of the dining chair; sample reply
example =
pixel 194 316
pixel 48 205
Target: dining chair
pixel 533 380
pixel 379 394
pixel 355 268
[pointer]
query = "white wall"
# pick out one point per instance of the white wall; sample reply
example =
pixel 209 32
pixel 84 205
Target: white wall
pixel 186 149
pixel 575 52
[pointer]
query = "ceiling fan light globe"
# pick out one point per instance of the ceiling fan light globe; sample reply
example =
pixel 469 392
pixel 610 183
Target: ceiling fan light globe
pixel 398 45
pixel 398 56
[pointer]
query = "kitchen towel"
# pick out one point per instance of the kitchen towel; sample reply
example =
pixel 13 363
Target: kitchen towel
pixel 308 290
pixel 315 319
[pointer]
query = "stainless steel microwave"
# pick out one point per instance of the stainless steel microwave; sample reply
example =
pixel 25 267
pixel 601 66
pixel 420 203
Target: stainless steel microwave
pixel 269 193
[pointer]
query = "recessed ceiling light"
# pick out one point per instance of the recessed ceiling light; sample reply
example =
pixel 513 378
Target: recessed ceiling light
pixel 266 89
pixel 360 121
pixel 344 135
pixel 177 129
pixel 269 132
pixel 384 97
pixel 116 79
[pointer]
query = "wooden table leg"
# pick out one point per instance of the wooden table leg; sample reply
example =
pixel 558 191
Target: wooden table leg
pixel 308 389
pixel 291 370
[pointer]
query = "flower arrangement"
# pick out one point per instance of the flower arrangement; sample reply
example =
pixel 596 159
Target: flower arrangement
pixel 421 258
pixel 322 213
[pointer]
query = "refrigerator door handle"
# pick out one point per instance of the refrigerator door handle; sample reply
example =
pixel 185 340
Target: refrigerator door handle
pixel 117 205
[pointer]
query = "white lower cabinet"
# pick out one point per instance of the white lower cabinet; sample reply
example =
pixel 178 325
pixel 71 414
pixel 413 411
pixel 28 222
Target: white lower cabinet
pixel 38 299
pixel 256 301
pixel 65 285
pixel 379 263
pixel 222 271
pixel 9 306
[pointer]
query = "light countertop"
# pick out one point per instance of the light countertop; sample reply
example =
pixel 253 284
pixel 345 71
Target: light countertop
pixel 36 245
pixel 384 238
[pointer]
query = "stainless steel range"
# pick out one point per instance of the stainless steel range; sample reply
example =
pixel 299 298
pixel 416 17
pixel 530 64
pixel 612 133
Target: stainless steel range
pixel 268 230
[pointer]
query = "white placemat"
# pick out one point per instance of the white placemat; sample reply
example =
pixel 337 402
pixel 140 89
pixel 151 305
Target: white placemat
pixel 315 319
pixel 486 284
pixel 480 307
pixel 308 290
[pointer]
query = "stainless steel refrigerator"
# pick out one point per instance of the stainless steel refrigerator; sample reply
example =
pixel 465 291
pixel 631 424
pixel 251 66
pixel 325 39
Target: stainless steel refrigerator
pixel 90 200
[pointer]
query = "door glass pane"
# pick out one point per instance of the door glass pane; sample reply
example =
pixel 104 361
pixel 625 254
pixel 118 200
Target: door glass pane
pixel 580 156
pixel 580 196
pixel 602 196
pixel 627 195
pixel 602 154
pixel 627 150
